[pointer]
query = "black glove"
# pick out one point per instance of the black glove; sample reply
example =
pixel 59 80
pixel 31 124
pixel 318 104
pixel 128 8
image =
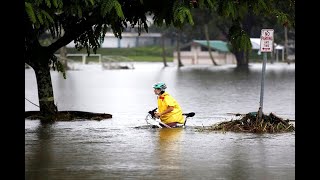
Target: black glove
pixel 152 112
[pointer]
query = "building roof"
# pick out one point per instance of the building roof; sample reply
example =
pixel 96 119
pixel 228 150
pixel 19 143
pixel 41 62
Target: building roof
pixel 222 46
pixel 255 42
pixel 215 44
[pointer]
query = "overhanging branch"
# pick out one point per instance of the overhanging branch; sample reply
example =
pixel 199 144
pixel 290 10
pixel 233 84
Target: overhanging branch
pixel 74 32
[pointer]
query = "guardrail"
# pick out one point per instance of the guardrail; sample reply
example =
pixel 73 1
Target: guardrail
pixel 117 62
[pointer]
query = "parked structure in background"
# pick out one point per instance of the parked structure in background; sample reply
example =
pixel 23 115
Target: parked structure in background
pixel 196 52
pixel 83 57
pixel 117 62
pixel 131 39
pixel 279 50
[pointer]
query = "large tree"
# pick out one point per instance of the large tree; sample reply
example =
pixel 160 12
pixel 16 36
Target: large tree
pixel 280 12
pixel 86 21
pixel 237 21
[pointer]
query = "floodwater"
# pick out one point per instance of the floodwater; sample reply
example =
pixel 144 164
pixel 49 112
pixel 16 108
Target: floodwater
pixel 123 148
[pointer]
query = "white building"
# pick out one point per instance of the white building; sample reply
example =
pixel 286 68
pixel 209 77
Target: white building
pixel 196 52
pixel 255 42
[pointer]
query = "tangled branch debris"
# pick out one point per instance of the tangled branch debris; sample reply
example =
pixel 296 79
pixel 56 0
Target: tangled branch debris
pixel 251 123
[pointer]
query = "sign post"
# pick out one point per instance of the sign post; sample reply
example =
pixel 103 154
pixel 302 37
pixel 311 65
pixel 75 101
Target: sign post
pixel 266 45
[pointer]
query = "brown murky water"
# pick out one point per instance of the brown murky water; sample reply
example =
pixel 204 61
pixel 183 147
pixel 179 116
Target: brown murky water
pixel 122 148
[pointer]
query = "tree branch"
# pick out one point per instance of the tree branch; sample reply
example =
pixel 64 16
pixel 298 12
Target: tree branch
pixel 75 31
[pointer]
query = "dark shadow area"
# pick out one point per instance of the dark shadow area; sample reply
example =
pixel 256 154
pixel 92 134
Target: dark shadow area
pixel 68 115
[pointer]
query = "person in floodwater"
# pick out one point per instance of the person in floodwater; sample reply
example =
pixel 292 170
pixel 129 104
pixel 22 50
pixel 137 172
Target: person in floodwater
pixel 169 110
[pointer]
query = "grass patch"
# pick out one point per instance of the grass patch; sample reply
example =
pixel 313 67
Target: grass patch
pixel 143 54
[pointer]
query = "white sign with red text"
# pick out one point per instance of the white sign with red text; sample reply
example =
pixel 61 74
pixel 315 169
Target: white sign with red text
pixel 266 40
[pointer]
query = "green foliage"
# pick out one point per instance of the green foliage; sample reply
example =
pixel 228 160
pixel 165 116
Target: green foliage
pixel 57 4
pixel 207 4
pixel 239 38
pixel 108 5
pixel 48 3
pixel 283 18
pixel 30 12
pixel 284 11
pixel 258 6
pixel 228 9
pixel 182 13
pixel 40 12
pixel 47 17
pixel 86 21
pixel 57 65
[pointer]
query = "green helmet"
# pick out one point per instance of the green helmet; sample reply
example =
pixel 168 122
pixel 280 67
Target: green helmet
pixel 160 85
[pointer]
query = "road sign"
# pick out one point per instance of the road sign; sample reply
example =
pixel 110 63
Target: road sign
pixel 266 40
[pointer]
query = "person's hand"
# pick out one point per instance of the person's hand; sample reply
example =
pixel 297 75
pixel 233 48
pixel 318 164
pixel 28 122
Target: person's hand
pixel 157 115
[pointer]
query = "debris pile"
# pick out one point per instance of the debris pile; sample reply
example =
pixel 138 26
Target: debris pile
pixel 250 123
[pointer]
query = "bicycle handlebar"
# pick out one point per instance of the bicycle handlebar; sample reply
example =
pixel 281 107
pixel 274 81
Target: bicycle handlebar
pixel 152 112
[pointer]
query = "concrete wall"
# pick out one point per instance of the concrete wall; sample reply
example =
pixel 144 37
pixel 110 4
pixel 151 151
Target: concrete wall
pixel 196 56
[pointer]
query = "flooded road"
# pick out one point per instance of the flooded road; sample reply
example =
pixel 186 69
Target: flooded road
pixel 120 148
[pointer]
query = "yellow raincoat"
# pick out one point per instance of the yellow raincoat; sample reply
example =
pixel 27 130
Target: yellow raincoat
pixel 165 100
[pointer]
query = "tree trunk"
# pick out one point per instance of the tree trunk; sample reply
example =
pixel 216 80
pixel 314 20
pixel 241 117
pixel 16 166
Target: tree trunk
pixel 63 57
pixel 286 44
pixel 206 32
pixel 45 91
pixel 241 60
pixel 246 58
pixel 163 51
pixel 247 24
pixel 178 50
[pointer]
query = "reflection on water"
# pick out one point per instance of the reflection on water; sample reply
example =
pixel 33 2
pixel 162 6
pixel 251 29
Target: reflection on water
pixel 41 152
pixel 170 153
pixel 115 149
